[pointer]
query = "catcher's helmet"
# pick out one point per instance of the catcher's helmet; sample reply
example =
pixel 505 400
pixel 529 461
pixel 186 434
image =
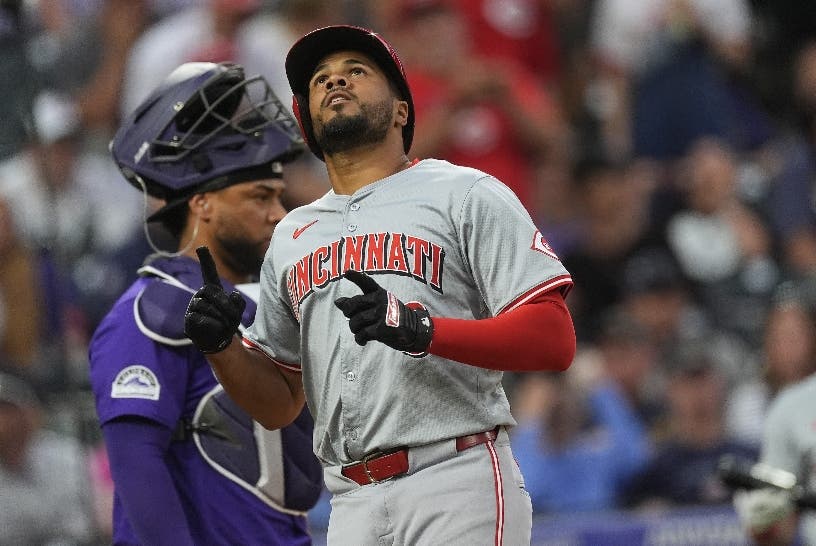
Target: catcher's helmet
pixel 206 127
pixel 303 57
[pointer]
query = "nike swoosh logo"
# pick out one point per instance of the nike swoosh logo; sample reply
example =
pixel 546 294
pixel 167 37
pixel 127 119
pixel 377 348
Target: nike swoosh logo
pixel 297 233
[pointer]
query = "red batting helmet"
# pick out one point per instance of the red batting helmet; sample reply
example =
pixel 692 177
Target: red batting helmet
pixel 302 59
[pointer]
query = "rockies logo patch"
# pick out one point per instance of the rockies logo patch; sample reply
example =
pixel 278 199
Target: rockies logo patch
pixel 136 381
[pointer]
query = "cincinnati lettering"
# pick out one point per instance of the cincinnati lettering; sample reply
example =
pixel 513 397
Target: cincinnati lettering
pixel 395 253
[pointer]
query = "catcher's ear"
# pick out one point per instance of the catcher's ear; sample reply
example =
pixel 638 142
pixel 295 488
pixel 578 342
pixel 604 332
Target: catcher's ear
pixel 199 203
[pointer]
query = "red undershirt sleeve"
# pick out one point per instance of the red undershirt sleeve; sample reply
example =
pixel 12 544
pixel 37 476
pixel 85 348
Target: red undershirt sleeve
pixel 536 336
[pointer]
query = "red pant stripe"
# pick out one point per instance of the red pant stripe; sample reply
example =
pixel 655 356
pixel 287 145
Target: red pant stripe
pixel 499 486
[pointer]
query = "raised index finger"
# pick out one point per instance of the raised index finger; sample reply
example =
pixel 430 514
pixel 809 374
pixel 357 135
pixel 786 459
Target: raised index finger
pixel 366 283
pixel 208 270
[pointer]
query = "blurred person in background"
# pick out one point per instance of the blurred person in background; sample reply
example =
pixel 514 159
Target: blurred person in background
pixel 44 495
pixel 69 217
pixel 789 204
pixel 770 515
pixel 189 466
pixel 648 58
pixel 782 27
pixel 722 244
pixel 21 296
pixel 19 90
pixel 683 468
pixel 788 356
pixel 518 31
pixel 247 32
pixel 211 30
pixel 18 87
pixel 656 293
pixel 615 222
pixel 579 438
pixel 627 356
pixel 80 50
pixel 471 109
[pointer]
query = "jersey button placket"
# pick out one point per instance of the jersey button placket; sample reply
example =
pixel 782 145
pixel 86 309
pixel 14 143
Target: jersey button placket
pixel 352 225
pixel 350 384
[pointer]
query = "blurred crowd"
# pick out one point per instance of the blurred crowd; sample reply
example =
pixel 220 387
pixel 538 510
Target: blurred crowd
pixel 666 148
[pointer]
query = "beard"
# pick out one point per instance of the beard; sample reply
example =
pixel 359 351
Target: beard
pixel 243 256
pixel 344 133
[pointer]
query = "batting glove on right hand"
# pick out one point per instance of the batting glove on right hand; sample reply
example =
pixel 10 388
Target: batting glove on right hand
pixel 212 316
pixel 377 314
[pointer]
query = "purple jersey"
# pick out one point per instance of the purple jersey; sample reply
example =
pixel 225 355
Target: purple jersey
pixel 143 365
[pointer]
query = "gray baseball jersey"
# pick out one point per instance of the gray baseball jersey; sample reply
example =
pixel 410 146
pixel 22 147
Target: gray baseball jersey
pixel 451 238
pixel 790 440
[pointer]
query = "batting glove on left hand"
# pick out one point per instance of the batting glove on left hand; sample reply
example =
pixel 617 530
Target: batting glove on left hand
pixel 212 316
pixel 377 314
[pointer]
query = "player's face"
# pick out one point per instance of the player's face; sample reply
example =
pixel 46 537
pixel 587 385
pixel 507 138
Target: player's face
pixel 350 102
pixel 244 217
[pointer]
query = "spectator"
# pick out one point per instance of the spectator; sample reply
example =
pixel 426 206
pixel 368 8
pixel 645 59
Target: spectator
pixel 566 428
pixel 628 357
pixel 473 110
pixel 616 223
pixel 683 469
pixel 649 58
pixel 790 210
pixel 658 296
pixel 518 31
pixel 788 356
pixel 212 30
pixel 67 211
pixel 44 498
pixel 243 31
pixel 786 25
pixel 722 245
pixel 81 50
pixel 18 87
pixel 20 296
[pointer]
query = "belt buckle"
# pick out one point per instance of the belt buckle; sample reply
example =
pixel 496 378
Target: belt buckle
pixel 372 456
pixel 365 460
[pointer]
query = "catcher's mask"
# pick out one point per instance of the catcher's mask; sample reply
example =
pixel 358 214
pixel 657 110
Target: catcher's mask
pixel 206 127
pixel 314 46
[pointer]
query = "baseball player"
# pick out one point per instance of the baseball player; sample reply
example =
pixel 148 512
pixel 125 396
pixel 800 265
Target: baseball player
pixel 189 466
pixel 789 443
pixel 392 305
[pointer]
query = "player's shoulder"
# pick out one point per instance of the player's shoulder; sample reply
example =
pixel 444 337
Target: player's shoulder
pixel 442 170
pixel 159 308
pixel 442 177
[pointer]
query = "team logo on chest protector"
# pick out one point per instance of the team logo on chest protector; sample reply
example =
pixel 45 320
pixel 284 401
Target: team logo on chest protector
pixel 396 253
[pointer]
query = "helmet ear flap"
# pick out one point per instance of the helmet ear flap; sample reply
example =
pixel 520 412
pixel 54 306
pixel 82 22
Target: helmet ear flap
pixel 299 105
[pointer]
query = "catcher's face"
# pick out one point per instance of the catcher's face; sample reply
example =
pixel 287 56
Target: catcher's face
pixel 352 103
pixel 242 220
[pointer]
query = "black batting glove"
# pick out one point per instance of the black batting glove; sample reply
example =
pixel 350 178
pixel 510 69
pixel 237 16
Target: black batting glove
pixel 212 316
pixel 377 314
